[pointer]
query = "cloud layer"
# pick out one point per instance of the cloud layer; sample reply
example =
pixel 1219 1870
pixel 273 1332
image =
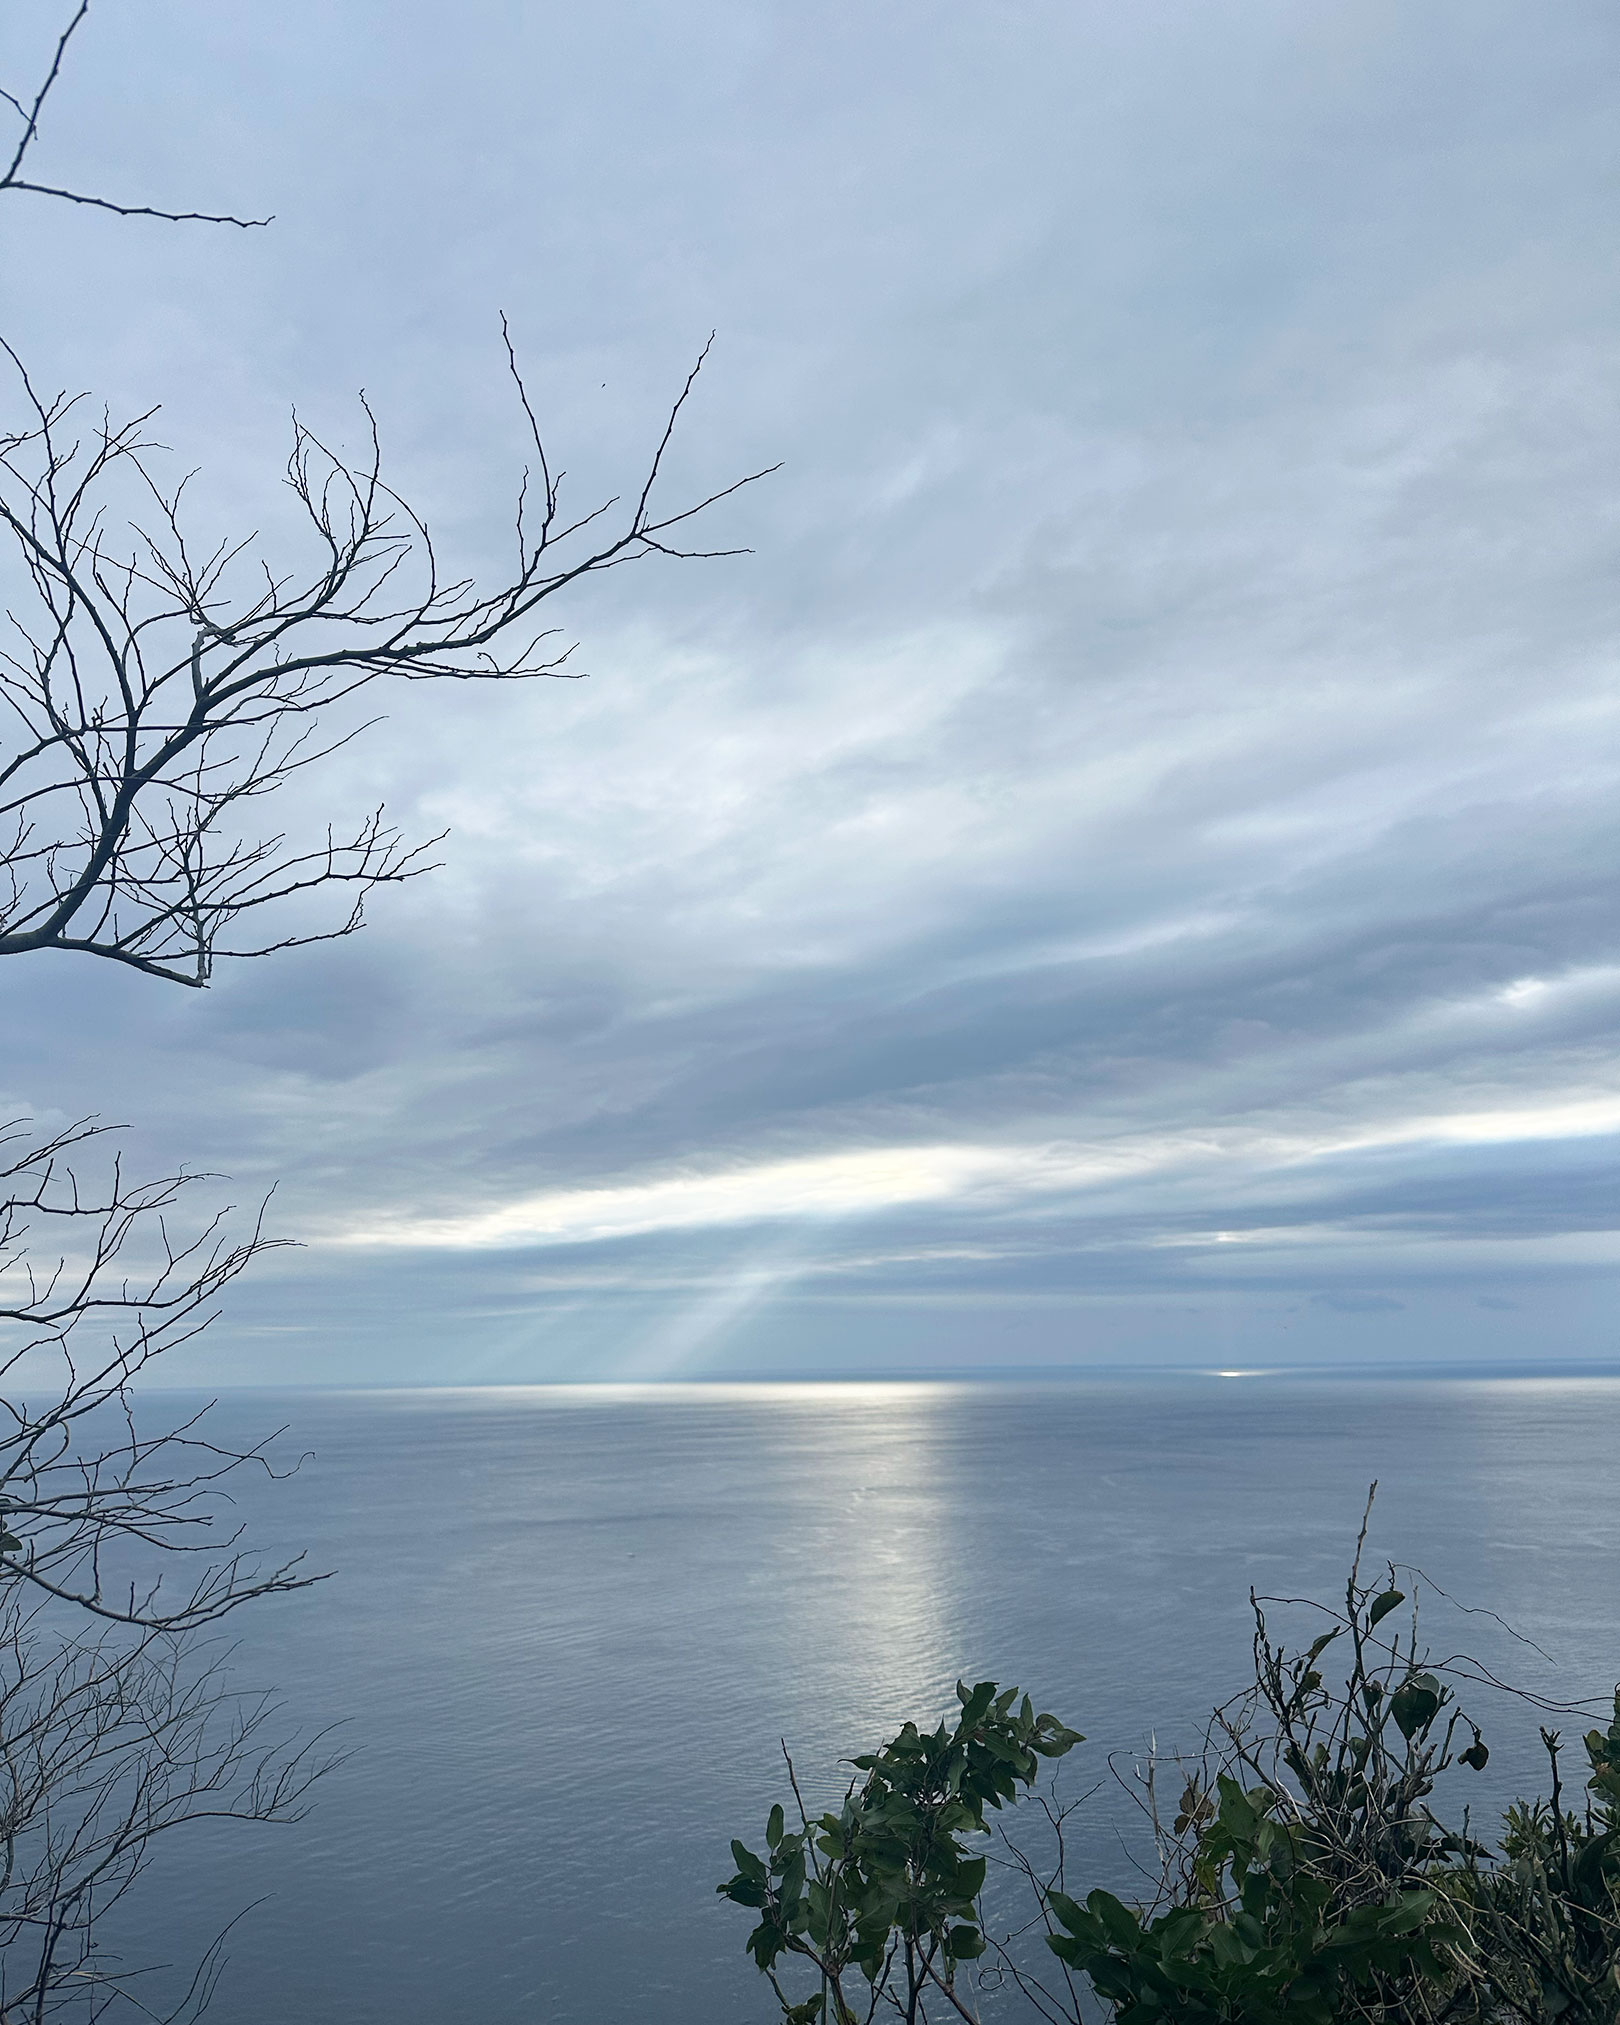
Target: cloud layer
pixel 1125 869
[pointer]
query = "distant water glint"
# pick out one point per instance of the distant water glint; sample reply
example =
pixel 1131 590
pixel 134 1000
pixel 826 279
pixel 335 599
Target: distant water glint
pixel 571 1626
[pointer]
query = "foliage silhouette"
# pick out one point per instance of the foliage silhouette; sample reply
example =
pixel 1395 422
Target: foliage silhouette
pixel 1305 1878
pixel 160 684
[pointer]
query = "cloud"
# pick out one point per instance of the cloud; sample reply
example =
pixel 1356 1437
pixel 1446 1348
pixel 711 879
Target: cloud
pixel 840 1186
pixel 1141 820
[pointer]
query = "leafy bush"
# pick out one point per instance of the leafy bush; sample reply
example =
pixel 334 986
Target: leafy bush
pixel 1305 1878
pixel 887 1887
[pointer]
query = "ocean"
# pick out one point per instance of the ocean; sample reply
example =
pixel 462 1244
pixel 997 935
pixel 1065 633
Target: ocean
pixel 571 1628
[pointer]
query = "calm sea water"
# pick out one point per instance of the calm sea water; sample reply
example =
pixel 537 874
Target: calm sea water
pixel 570 1627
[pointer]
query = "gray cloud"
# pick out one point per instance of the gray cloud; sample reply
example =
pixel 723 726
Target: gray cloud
pixel 1123 871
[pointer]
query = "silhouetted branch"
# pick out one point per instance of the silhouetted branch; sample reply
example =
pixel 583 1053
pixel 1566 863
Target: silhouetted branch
pixel 95 1283
pixel 158 687
pixel 28 109
pixel 106 1746
pixel 155 685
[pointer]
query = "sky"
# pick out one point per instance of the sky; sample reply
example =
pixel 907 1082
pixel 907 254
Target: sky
pixel 1123 873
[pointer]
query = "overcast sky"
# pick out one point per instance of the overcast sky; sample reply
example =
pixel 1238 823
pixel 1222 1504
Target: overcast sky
pixel 1125 871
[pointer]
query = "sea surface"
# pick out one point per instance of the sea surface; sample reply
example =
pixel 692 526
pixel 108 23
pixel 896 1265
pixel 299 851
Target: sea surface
pixel 570 1629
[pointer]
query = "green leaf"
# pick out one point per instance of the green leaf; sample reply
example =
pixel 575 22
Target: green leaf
pixel 774 1827
pixel 1229 1948
pixel 1407 1913
pixel 1116 1920
pixel 1074 1917
pixel 1239 1815
pixel 1052 1738
pixel 1415 1704
pixel 1392 1599
pixel 975 1705
pixel 748 1864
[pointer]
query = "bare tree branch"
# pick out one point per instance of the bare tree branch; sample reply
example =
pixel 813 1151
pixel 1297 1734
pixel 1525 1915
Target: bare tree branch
pixel 119 1548
pixel 157 688
pixel 106 1746
pixel 28 111
pixel 96 1282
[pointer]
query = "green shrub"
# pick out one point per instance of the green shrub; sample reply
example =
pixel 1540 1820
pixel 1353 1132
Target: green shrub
pixel 1304 1880
pixel 887 1887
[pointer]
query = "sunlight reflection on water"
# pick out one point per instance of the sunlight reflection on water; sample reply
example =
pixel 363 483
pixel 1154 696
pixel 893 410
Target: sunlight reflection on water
pixel 573 1624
